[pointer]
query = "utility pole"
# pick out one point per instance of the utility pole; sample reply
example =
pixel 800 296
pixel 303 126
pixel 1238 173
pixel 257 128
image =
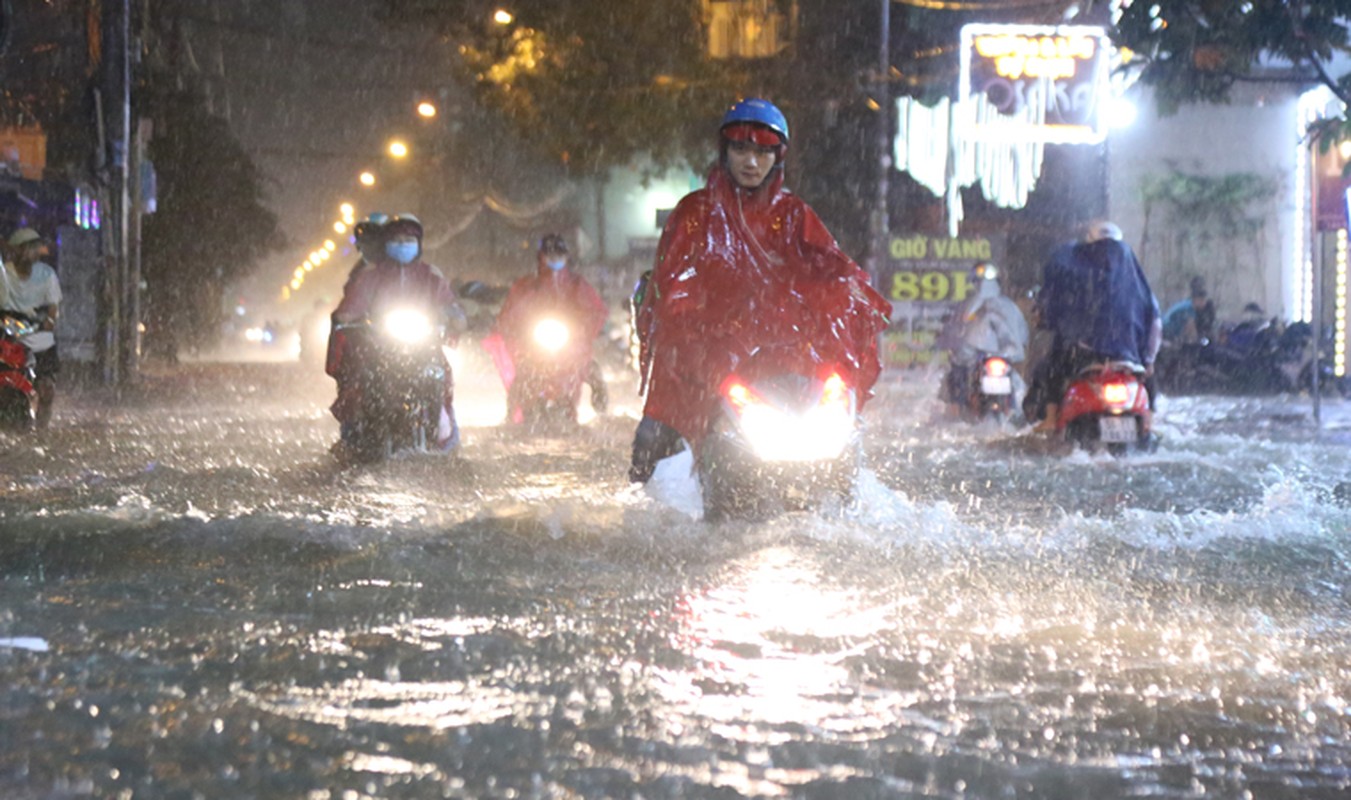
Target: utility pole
pixel 118 354
pixel 880 227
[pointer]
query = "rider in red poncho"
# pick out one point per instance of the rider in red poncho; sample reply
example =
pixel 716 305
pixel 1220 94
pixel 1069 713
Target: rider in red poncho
pixel 744 263
pixel 554 291
pixel 398 277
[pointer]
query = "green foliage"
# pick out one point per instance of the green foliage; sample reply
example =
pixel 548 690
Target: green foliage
pixel 1206 225
pixel 1219 203
pixel 589 83
pixel 211 228
pixel 1196 50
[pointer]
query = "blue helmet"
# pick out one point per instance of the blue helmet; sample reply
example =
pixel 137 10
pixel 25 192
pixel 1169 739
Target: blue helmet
pixel 758 111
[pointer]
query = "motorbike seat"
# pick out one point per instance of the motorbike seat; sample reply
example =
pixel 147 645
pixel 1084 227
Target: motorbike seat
pixel 1113 366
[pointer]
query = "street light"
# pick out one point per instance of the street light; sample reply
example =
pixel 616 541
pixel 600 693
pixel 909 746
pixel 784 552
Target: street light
pixel 426 109
pixel 398 149
pixel 1121 112
pixel 367 179
pixel 502 17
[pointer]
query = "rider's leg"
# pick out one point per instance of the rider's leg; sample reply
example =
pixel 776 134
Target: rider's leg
pixel 652 442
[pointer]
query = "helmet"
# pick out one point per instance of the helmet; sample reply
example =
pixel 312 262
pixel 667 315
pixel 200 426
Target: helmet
pixel 24 236
pixel 756 111
pixel 985 271
pixel 404 223
pixel 370 225
pixel 553 243
pixel 1102 229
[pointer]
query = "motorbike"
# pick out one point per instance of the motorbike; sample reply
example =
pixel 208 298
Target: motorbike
pixel 1247 359
pixel 1107 405
pixel 548 381
pixel 1329 382
pixel 780 439
pixel 18 395
pixel 988 389
pixel 403 378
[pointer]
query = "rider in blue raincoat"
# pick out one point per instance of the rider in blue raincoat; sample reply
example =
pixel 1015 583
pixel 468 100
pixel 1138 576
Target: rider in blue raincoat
pixel 1098 305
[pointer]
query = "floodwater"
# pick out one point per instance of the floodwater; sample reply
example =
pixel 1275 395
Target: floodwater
pixel 197 601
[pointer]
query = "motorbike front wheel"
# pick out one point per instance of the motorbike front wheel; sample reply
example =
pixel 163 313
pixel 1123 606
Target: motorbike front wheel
pixel 734 486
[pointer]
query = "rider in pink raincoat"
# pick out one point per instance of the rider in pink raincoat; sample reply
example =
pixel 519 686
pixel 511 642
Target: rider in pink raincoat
pixel 554 290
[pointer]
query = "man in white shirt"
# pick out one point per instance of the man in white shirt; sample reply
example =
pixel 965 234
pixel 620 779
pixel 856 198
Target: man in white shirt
pixel 30 287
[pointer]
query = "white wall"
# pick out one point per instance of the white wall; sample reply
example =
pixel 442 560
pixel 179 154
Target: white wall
pixel 631 207
pixel 1256 133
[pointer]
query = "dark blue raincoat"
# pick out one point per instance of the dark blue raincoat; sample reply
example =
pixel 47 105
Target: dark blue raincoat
pixel 1095 295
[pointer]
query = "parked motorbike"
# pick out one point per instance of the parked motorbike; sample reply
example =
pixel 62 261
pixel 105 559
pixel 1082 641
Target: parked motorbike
pixel 780 440
pixel 1329 382
pixel 18 396
pixel 402 379
pixel 1107 405
pixel 1246 360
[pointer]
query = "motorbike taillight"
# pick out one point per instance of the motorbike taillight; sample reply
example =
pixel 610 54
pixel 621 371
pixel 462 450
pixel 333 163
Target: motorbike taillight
pixel 1115 393
pixel 996 367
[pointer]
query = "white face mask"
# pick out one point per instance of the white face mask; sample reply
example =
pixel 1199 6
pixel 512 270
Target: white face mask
pixel 556 264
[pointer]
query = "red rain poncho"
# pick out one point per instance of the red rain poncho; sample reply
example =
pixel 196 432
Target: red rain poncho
pixel 738 270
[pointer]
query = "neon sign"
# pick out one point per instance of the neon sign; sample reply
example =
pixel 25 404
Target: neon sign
pixel 86 210
pixel 1034 83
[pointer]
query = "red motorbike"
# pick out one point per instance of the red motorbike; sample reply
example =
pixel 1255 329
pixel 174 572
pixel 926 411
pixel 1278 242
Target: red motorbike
pixel 1107 405
pixel 18 396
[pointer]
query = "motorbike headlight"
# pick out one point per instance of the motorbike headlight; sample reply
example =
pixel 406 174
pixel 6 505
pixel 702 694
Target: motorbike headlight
pixel 551 335
pixel 819 433
pixel 407 326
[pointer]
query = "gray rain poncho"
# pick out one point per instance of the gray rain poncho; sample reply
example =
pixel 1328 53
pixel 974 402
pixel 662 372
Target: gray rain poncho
pixel 986 323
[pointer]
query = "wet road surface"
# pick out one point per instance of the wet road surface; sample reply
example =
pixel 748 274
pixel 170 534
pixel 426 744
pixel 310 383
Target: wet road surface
pixel 196 600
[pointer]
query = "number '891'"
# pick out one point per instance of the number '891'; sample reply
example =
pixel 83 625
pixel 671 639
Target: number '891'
pixel 931 287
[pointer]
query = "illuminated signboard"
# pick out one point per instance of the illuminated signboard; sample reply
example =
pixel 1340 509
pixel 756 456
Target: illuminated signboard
pixel 1038 83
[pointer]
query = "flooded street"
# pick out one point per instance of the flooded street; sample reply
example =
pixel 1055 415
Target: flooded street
pixel 196 600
